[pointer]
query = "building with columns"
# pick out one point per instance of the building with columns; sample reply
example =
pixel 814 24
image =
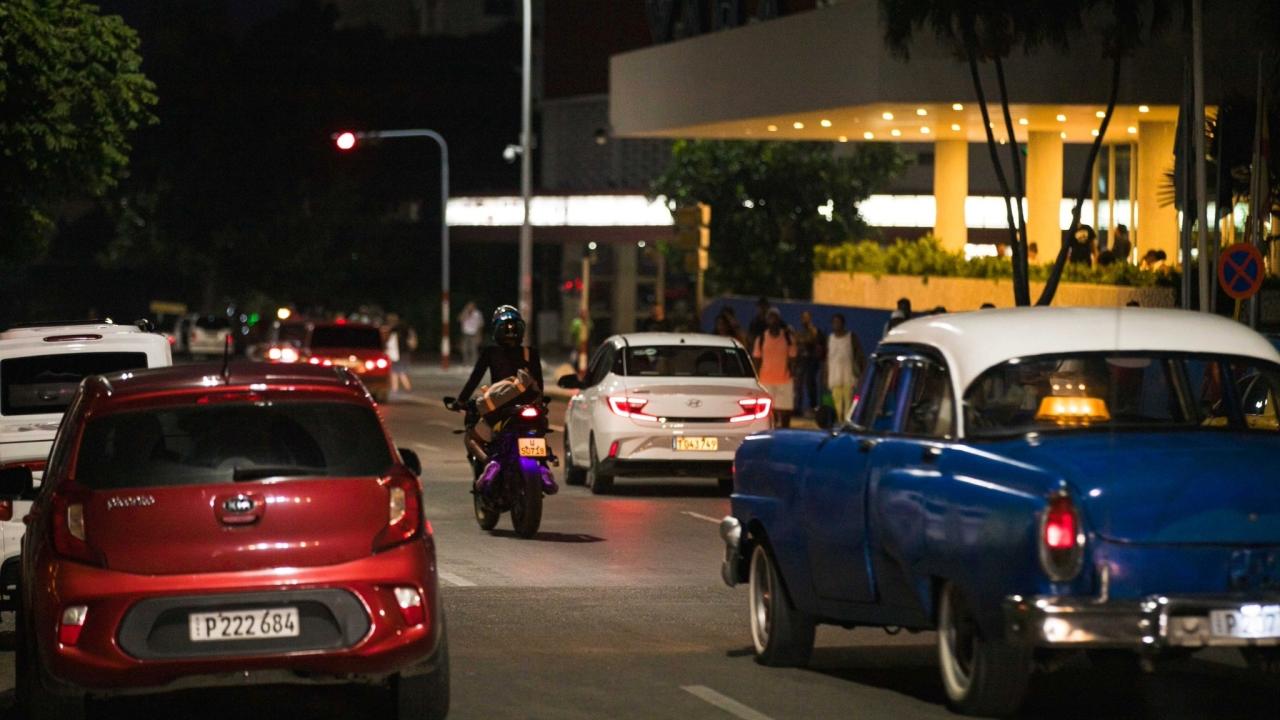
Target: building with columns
pixel 825 73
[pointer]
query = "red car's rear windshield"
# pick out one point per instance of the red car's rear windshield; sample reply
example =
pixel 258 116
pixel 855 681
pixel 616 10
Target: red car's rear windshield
pixel 346 336
pixel 224 443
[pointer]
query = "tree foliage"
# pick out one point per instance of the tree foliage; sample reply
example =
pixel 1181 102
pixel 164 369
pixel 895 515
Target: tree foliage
pixel 71 93
pixel 767 201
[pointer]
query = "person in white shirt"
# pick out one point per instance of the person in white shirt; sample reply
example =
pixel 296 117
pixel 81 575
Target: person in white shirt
pixel 472 322
pixel 844 365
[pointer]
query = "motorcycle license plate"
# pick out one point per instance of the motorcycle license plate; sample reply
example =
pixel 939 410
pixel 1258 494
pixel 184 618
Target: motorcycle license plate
pixel 697 444
pixel 243 624
pixel 533 447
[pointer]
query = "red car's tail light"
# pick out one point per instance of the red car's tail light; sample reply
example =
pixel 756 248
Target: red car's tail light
pixel 273 353
pixel 404 513
pixel 72 623
pixel 382 363
pixel 755 408
pixel 1061 539
pixel 70 537
pixel 412 610
pixel 630 407
pixel 314 361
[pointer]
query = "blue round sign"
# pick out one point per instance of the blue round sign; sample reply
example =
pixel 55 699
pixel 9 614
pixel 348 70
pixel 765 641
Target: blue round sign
pixel 1240 271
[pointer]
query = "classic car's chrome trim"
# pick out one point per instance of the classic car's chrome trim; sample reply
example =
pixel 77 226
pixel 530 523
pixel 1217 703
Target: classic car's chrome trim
pixel 1152 623
pixel 731 532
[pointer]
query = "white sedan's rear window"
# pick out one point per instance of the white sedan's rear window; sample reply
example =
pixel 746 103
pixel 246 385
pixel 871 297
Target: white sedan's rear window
pixel 687 361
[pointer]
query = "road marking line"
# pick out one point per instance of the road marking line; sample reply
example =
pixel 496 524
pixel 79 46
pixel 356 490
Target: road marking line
pixel 700 516
pixel 454 580
pixel 725 703
pixel 428 449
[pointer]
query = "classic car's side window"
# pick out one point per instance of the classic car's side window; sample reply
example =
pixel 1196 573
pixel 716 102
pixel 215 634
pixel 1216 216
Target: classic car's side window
pixel 930 408
pixel 878 412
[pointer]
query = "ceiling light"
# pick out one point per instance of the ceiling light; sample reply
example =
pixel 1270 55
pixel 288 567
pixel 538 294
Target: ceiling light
pixel 955 127
pixel 1061 118
pixel 1144 108
pixel 824 122
pixel 868 135
pixel 1100 114
pixel 1022 121
pixel 925 130
pixel 921 112
pixel 1063 135
pixel 957 106
pixel 772 128
pixel 1133 130
pixel 1094 132
pixel 886 115
pixel 844 138
pixel 895 132
pixel 797 125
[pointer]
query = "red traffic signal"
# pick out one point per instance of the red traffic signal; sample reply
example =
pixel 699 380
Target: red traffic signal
pixel 345 140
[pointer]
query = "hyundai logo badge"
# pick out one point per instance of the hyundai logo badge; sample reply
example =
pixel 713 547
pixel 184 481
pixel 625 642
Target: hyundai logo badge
pixel 694 402
pixel 239 504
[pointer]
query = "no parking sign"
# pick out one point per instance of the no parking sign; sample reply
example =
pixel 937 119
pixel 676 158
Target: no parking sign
pixel 1240 271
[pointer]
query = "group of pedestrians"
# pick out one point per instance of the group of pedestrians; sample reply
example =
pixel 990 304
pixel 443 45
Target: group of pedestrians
pixel 801 366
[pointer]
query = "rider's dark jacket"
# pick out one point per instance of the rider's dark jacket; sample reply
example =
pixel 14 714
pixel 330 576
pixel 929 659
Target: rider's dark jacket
pixel 502 362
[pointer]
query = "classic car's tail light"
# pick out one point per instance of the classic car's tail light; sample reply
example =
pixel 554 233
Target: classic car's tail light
pixel 754 409
pixel 412 609
pixel 71 623
pixel 404 513
pixel 630 407
pixel 1061 539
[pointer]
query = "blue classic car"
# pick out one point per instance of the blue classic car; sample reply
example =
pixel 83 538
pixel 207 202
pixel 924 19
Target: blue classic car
pixel 1027 481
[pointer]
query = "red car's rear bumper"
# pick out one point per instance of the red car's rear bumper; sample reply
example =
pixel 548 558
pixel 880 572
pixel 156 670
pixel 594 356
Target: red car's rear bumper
pixel 123 647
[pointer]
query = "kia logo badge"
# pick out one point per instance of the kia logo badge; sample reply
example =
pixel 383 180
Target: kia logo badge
pixel 239 504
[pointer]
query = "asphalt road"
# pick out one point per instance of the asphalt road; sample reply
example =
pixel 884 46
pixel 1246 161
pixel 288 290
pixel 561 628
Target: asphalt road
pixel 616 610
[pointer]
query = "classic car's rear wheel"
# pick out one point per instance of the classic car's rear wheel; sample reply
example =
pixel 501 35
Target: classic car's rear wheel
pixel 782 635
pixel 981 675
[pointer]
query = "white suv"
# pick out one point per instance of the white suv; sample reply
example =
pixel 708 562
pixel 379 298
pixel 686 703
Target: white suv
pixel 41 367
pixel 662 404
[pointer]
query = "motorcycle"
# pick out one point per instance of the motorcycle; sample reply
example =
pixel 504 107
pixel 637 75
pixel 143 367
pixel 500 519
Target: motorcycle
pixel 510 470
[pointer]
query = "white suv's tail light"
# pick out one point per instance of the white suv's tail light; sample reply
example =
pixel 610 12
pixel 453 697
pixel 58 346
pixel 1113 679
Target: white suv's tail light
pixel 753 409
pixel 630 407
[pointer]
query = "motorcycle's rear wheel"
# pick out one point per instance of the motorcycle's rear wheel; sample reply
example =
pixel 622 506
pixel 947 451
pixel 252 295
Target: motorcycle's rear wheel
pixel 486 517
pixel 526 508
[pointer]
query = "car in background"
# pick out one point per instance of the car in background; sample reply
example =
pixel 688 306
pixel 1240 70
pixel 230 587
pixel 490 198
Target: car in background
pixel 283 343
pixel 355 346
pixel 1031 483
pixel 209 525
pixel 662 404
pixel 41 367
pixel 206 335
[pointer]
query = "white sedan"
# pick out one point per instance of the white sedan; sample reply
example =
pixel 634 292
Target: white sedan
pixel 662 405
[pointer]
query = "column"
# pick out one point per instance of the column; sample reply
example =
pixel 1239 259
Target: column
pixel 1157 227
pixel 1044 192
pixel 950 189
pixel 624 286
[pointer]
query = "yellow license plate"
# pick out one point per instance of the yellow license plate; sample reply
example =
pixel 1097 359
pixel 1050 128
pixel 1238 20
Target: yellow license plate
pixel 533 447
pixel 697 444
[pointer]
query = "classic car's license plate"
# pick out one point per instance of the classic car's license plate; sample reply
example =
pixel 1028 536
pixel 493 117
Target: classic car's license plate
pixel 1250 621
pixel 533 447
pixel 244 624
pixel 697 444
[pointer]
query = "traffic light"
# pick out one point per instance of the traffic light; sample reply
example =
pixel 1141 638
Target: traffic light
pixel 345 140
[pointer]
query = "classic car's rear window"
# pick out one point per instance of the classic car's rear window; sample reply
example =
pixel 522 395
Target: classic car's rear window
pixel 222 443
pixel 687 361
pixel 1123 391
pixel 346 336
pixel 46 383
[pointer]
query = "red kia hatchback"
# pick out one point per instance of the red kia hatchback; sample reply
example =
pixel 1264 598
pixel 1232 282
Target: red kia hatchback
pixel 201 528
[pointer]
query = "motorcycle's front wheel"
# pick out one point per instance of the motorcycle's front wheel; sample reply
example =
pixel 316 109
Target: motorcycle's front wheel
pixel 486 517
pixel 526 511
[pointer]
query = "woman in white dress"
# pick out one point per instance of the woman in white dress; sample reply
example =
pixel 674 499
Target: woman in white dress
pixel 844 365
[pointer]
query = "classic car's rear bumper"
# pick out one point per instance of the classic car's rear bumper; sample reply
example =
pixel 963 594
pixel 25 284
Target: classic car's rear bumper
pixel 1153 623
pixel 731 533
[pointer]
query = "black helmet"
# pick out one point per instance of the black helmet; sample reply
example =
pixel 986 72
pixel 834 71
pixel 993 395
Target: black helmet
pixel 508 326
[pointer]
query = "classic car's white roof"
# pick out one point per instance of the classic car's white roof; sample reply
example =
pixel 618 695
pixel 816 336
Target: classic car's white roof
pixel 971 342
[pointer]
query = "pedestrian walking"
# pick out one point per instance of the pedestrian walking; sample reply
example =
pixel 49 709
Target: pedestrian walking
pixel 774 350
pixel 471 321
pixel 725 327
pixel 1083 247
pixel 845 363
pixel 760 322
pixel 401 342
pixel 809 355
pixel 898 316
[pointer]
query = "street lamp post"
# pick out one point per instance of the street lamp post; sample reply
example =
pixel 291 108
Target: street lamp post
pixel 348 140
pixel 526 165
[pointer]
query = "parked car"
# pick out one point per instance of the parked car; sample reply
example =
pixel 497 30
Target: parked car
pixel 41 367
pixel 206 335
pixel 1028 481
pixel 202 526
pixel 661 404
pixel 355 346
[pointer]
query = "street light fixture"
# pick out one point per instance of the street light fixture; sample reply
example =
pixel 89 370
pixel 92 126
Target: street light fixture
pixel 347 140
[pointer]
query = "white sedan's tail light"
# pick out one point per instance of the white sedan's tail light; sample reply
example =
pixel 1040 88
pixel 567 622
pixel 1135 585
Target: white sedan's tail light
pixel 630 407
pixel 753 409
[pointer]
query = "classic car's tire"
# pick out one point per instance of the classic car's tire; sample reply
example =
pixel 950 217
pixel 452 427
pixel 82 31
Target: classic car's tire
pixel 572 475
pixel 981 675
pixel 781 634
pixel 599 483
